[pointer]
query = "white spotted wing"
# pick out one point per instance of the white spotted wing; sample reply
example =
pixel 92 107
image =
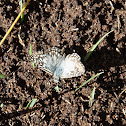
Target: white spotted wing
pixel 55 63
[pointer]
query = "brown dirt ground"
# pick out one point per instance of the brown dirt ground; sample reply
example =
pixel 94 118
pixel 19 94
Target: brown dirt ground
pixel 72 25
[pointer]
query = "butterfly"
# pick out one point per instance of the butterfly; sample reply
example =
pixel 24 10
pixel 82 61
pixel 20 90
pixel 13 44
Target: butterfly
pixel 55 63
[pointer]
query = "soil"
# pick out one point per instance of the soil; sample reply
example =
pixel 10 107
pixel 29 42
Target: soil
pixel 73 26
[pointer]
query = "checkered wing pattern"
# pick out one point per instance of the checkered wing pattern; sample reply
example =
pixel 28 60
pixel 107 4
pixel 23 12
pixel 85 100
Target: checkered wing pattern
pixel 73 66
pixel 55 63
pixel 49 60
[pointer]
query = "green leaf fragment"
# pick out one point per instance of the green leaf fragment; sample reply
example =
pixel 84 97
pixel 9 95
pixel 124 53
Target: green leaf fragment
pixel 33 64
pixel 57 89
pixel 91 100
pixel 21 6
pixel 1 105
pixel 88 81
pixel 92 49
pixel 30 51
pixel 31 103
pixel 2 76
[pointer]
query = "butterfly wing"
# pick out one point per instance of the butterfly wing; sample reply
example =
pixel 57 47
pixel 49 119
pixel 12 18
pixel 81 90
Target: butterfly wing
pixel 72 66
pixel 47 61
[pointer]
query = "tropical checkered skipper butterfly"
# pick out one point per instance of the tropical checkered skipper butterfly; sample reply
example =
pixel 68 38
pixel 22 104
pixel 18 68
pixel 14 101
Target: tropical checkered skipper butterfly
pixel 55 63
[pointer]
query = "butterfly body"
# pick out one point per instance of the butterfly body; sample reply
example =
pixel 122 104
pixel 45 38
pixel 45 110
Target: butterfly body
pixel 55 63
